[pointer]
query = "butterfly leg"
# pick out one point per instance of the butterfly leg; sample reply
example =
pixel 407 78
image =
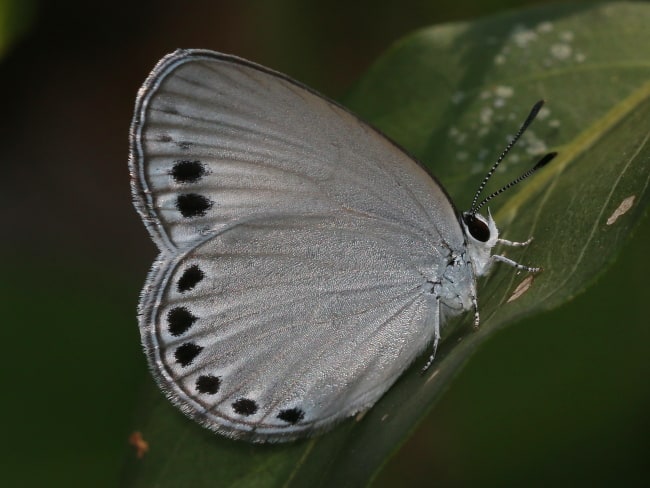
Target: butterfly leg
pixel 477 318
pixel 514 264
pixel 506 242
pixel 436 339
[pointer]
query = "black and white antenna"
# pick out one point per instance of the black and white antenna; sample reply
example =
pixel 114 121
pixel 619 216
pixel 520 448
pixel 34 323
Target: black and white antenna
pixel 542 162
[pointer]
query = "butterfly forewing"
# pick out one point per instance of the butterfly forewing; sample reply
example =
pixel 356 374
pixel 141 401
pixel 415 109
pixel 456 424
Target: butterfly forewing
pixel 299 249
pixel 216 139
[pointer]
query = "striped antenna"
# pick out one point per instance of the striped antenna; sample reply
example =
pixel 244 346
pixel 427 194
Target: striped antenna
pixel 531 116
pixel 541 163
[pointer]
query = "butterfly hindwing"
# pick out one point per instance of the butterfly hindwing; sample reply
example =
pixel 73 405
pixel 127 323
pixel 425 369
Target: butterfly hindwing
pixel 281 315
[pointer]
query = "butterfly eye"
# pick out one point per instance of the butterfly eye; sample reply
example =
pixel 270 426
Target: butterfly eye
pixel 478 229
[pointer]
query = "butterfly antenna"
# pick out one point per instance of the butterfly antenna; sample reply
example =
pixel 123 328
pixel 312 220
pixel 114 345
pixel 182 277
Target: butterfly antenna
pixel 531 116
pixel 541 163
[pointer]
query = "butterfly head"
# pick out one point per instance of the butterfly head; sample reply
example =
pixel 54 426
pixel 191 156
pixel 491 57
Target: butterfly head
pixel 482 235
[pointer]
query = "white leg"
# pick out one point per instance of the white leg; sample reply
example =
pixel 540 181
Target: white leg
pixel 514 264
pixel 477 319
pixel 436 338
pixel 506 242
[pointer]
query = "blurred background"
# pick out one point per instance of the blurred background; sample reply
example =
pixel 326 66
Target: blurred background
pixel 561 399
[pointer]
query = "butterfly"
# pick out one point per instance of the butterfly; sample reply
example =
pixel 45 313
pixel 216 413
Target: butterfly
pixel 306 260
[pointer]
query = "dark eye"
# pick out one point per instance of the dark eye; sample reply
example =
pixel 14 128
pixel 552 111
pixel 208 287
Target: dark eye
pixel 477 228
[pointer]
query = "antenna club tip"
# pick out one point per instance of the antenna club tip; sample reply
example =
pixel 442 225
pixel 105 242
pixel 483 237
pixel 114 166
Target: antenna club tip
pixel 545 160
pixel 533 113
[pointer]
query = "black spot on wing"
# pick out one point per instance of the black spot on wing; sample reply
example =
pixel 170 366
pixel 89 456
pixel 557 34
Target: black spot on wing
pixel 191 276
pixel 185 171
pixel 186 353
pixel 291 415
pixel 208 384
pixel 192 205
pixel 179 320
pixel 245 406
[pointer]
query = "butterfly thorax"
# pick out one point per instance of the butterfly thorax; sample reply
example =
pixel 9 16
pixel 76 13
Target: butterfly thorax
pixel 456 288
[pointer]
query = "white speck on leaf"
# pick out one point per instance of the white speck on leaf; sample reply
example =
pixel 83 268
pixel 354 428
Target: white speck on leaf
pixel 521 288
pixel 486 115
pixel 536 146
pixel 533 144
pixel 504 91
pixel 624 206
pixel 523 36
pixel 513 159
pixel 561 51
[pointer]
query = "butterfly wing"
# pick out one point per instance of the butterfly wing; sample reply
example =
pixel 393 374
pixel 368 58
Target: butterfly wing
pixel 298 248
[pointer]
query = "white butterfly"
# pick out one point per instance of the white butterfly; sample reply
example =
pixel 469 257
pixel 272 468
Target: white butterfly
pixel 305 259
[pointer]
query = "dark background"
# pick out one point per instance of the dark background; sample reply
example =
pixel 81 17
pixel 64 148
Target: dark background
pixel 560 399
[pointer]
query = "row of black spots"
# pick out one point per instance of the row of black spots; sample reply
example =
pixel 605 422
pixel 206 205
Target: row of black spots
pixel 190 278
pixel 210 384
pixel 247 407
pixel 192 205
pixel 187 171
pixel 180 319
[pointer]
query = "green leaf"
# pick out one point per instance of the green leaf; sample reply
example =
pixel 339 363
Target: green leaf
pixel 452 95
